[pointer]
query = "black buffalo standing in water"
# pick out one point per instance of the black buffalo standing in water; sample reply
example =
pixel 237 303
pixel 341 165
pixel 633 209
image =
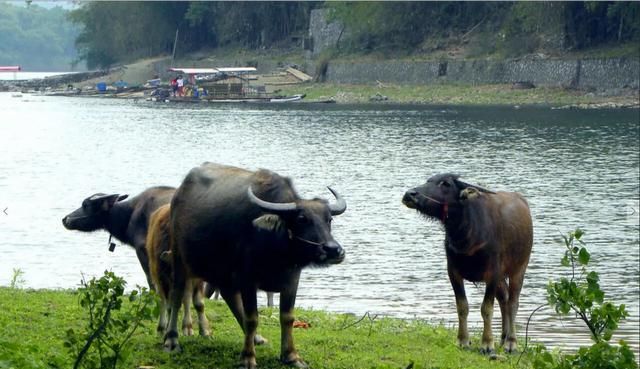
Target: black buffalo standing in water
pixel 241 231
pixel 488 239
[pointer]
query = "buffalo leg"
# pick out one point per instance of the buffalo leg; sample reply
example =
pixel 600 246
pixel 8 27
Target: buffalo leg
pixel 198 304
pixel 288 353
pixel 164 312
pixel 234 302
pixel 515 286
pixel 250 306
pixel 187 323
pixel 141 253
pixel 502 295
pixel 487 315
pixel 270 299
pixel 176 296
pixel 462 307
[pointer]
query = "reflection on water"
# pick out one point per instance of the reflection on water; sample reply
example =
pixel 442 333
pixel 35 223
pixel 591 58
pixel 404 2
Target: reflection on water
pixel 576 168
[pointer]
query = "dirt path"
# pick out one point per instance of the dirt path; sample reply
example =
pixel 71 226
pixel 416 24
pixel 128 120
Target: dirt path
pixel 134 74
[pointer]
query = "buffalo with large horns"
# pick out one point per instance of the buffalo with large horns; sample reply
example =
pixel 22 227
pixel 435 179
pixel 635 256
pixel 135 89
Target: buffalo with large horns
pixel 488 238
pixel 242 231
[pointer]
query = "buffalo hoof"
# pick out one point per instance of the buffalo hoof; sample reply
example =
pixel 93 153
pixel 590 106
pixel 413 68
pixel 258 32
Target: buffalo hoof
pixel 172 345
pixel 187 331
pixel 297 363
pixel 248 363
pixel 205 332
pixel 510 347
pixel 464 344
pixel 171 342
pixel 259 340
pixel 488 350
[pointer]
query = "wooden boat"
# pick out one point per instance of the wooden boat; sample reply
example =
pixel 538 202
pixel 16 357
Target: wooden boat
pixel 293 98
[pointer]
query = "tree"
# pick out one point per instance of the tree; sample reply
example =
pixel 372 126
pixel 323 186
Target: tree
pixel 36 38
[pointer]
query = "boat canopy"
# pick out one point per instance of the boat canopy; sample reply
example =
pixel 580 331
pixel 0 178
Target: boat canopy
pixel 237 70
pixel 12 68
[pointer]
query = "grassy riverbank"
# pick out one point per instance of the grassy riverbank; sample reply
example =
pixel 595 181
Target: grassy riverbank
pixel 34 323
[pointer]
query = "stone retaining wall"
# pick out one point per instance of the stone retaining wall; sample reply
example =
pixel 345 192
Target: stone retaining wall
pixel 583 74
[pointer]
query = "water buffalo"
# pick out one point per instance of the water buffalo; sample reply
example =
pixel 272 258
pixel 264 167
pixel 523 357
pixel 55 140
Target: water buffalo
pixel 488 238
pixel 161 267
pixel 241 231
pixel 125 220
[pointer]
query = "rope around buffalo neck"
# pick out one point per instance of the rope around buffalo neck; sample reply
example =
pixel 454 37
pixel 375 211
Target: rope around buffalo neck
pixel 445 206
pixel 307 241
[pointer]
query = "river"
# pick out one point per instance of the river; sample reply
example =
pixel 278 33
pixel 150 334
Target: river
pixel 576 168
pixel 24 76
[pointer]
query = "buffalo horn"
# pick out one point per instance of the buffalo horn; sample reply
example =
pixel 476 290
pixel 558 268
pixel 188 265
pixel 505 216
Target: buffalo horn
pixel 101 196
pixel 465 185
pixel 339 206
pixel 276 207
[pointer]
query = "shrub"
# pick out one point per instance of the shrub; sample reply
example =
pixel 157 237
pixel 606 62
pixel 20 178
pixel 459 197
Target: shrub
pixel 110 323
pixel 581 295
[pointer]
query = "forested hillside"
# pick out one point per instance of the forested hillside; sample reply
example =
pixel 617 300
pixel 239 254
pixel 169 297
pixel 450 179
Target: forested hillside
pixel 36 38
pixel 119 32
pixel 503 28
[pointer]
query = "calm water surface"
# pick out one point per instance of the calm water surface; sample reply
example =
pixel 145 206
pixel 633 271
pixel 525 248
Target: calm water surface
pixel 576 168
pixel 21 76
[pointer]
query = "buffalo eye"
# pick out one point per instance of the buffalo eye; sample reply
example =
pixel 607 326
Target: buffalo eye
pixel 444 183
pixel 302 219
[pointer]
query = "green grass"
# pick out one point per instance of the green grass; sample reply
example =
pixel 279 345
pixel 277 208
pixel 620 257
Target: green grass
pixel 628 49
pixel 451 94
pixel 34 323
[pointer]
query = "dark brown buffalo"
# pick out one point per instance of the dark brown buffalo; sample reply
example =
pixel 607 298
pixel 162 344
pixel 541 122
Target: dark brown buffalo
pixel 488 238
pixel 125 220
pixel 242 231
pixel 161 269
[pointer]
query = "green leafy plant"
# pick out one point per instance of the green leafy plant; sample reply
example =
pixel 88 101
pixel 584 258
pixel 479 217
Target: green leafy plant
pixel 16 279
pixel 581 295
pixel 113 318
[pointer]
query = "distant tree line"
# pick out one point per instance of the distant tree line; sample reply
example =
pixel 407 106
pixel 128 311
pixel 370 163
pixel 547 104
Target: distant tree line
pixel 120 31
pixel 36 38
pixel 505 28
pixel 114 32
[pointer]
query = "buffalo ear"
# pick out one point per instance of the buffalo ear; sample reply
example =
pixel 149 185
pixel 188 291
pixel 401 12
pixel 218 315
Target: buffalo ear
pixel 269 223
pixel 469 193
pixel 107 201
pixel 462 185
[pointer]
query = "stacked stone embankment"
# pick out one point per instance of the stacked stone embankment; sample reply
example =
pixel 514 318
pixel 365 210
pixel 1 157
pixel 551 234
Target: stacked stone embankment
pixel 600 74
